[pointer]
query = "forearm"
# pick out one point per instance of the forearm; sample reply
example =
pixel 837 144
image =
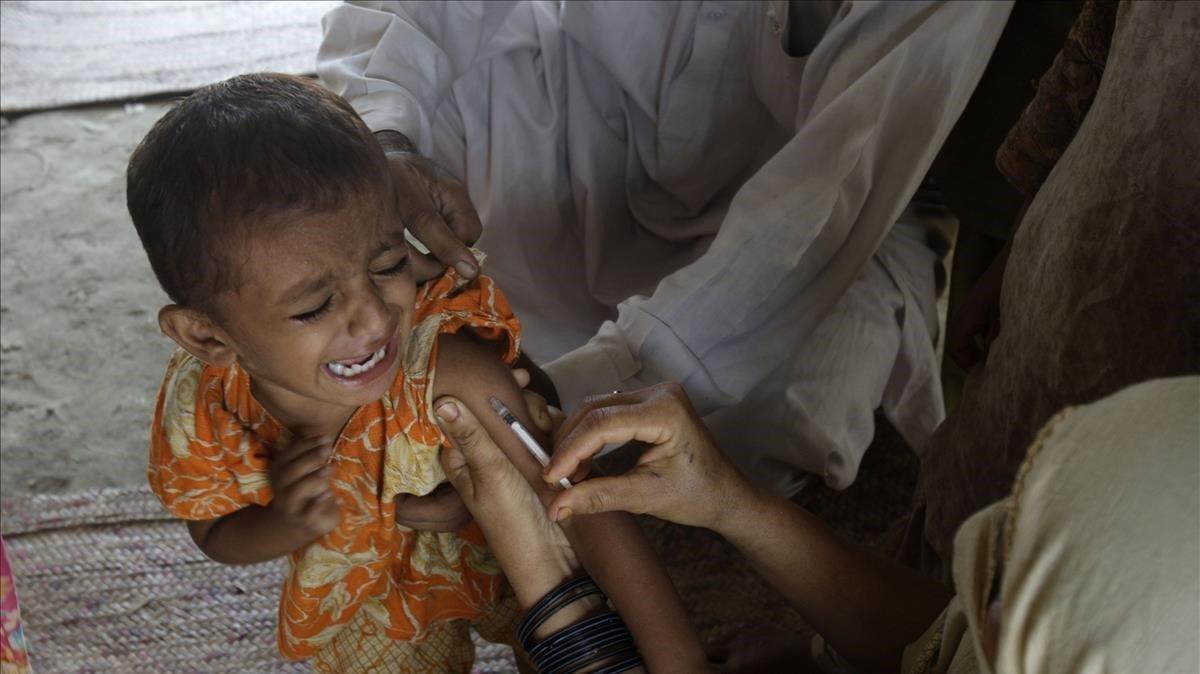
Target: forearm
pixel 616 553
pixel 248 536
pixel 868 608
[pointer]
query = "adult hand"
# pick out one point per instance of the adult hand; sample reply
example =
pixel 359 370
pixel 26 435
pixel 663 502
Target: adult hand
pixel 299 477
pixel 977 322
pixel 440 510
pixel 434 206
pixel 531 549
pixel 682 477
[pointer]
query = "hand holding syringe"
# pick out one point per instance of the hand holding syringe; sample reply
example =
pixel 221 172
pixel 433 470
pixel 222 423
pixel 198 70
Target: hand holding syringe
pixel 526 438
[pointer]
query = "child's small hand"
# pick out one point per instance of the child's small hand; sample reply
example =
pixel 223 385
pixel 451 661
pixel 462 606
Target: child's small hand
pixel 300 483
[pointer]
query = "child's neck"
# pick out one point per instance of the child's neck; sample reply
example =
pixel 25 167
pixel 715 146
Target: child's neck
pixel 304 418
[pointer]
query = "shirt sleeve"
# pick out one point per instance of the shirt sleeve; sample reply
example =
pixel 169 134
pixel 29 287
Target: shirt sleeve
pixel 395 61
pixel 452 304
pixel 801 230
pixel 204 463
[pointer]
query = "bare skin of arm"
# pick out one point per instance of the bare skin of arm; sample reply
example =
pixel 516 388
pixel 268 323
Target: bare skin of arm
pixel 868 608
pixel 610 546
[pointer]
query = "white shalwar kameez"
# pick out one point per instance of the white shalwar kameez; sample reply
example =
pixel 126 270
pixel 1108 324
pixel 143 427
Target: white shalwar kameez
pixel 668 195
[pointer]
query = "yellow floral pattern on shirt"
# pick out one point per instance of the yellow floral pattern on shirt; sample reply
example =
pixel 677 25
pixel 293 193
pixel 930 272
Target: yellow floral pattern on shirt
pixel 211 444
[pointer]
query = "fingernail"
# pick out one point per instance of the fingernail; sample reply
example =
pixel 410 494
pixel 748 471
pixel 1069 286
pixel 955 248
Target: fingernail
pixel 563 513
pixel 466 269
pixel 447 411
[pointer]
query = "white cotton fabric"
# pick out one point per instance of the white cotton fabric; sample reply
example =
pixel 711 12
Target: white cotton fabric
pixel 1095 558
pixel 667 195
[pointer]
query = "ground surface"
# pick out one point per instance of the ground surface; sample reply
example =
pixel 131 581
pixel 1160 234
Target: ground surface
pixel 80 350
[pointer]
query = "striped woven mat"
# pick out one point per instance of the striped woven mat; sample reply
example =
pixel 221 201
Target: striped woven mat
pixel 73 52
pixel 110 583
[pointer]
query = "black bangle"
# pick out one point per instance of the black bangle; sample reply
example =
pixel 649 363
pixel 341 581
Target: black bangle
pixel 577 636
pixel 625 665
pixel 590 650
pixel 554 601
pixel 593 640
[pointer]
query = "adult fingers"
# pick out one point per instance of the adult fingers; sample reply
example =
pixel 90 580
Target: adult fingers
pixel 539 412
pixel 456 208
pixel 437 505
pixel 596 403
pixel 432 204
pixel 432 230
pixel 961 335
pixel 480 453
pixel 632 492
pixel 425 267
pixel 653 421
pixel 454 465
pixel 521 376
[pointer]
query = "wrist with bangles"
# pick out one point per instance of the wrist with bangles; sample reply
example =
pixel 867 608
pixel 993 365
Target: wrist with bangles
pixel 598 644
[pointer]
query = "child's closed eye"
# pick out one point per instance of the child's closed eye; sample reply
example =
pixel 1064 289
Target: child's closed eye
pixel 310 316
pixel 396 269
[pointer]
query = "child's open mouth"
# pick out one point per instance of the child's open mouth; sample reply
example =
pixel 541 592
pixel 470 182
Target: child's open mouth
pixel 364 369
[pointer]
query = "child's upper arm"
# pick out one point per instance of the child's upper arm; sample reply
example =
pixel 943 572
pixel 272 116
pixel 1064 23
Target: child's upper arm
pixel 472 372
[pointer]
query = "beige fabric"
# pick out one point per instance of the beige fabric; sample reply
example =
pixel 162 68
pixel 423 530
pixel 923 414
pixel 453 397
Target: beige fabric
pixel 1101 289
pixel 1097 551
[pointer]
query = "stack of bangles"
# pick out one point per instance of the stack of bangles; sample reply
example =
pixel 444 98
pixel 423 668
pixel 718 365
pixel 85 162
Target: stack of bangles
pixel 599 644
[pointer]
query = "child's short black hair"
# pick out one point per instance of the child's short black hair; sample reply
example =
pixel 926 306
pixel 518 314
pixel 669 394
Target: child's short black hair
pixel 245 149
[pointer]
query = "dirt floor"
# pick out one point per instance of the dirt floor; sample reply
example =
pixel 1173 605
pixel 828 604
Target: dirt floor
pixel 80 350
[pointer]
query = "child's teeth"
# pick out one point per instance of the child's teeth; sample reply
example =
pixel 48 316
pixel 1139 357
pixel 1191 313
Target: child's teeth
pixel 354 370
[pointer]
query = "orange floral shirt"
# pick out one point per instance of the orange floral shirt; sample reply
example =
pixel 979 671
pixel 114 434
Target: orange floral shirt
pixel 211 443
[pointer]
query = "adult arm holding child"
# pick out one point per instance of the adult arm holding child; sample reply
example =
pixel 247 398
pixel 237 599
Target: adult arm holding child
pixel 610 546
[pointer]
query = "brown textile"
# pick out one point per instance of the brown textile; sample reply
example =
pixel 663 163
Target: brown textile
pixel 965 167
pixel 1064 95
pixel 1102 288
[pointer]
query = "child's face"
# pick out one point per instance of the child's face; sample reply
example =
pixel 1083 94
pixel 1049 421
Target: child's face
pixel 323 309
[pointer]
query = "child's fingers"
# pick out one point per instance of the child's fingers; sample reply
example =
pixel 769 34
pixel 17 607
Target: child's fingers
pixel 296 497
pixel 301 446
pixel 322 513
pixel 299 467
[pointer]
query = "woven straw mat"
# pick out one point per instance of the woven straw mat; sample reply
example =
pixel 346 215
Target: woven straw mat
pixel 108 582
pixel 67 53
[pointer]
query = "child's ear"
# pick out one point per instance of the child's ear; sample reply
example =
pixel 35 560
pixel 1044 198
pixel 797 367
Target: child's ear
pixel 197 334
